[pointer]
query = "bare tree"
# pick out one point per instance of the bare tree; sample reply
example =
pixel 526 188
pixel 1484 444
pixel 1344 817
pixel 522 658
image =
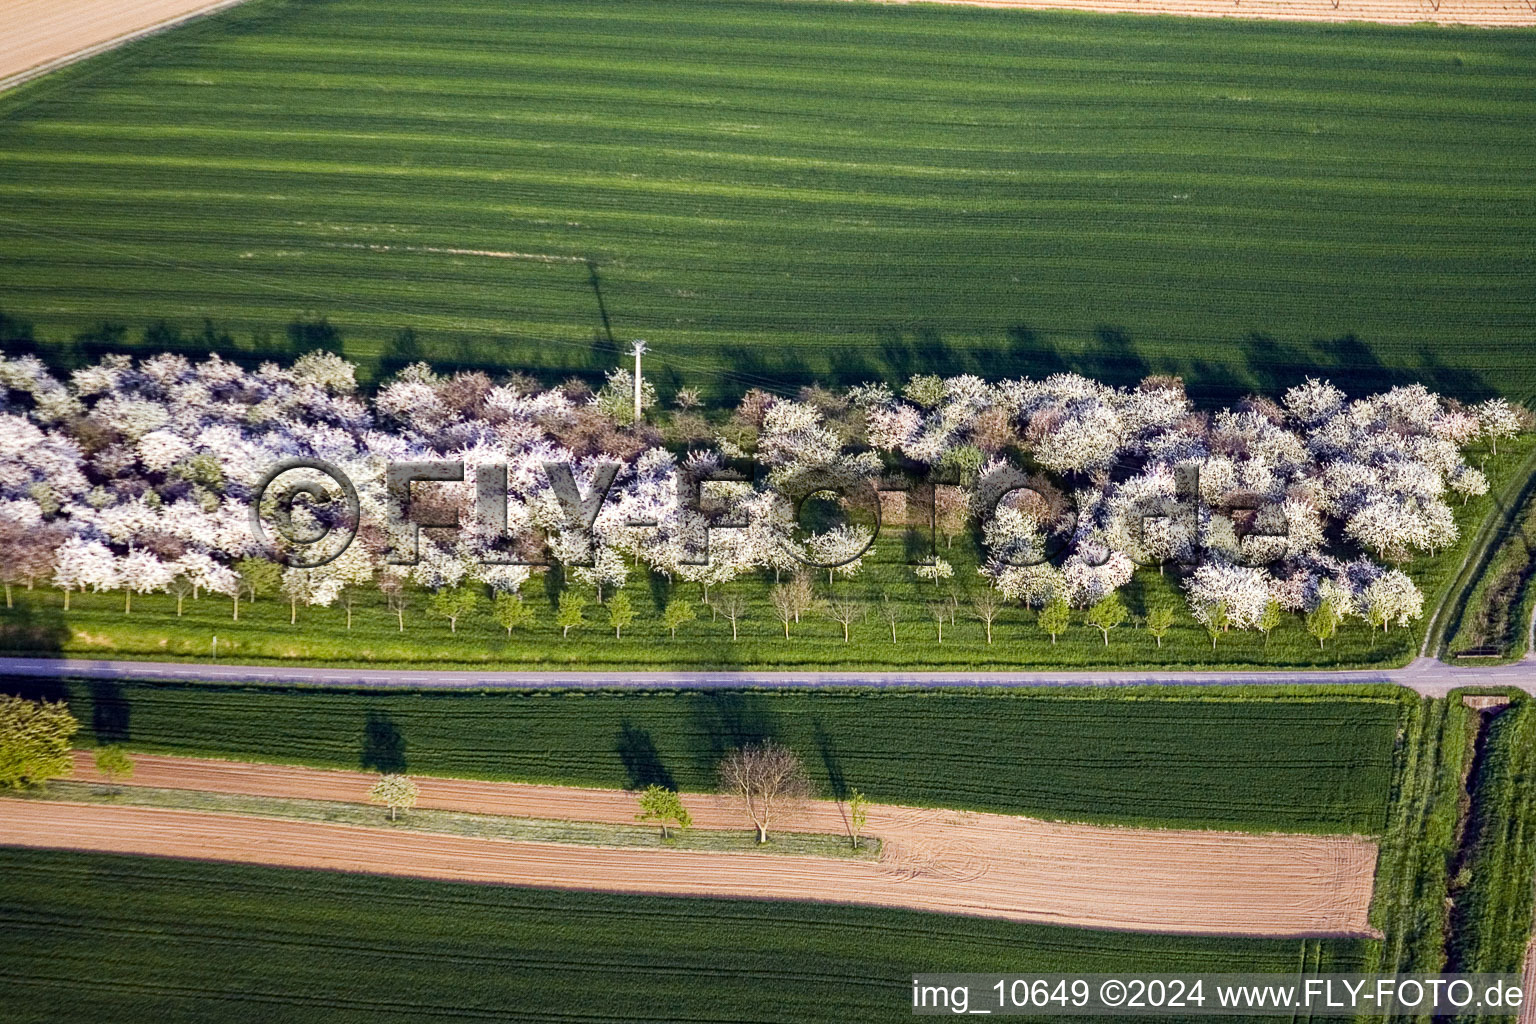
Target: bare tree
pixel 768 779
pixel 940 611
pixel 891 613
pixel 803 595
pixel 733 607
pixel 785 606
pixel 843 611
pixel 987 605
pixel 395 595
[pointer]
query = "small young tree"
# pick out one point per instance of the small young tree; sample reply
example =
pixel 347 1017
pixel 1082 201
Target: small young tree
pixel 142 572
pixel 1323 622
pixel 784 606
pixel 34 741
pixel 676 613
pixel 951 510
pixel 621 612
pixel 1159 621
pixel 938 611
pixel 891 613
pixel 453 603
pixel 803 594
pixel 1056 617
pixel 1107 613
pixel 767 778
pixel 934 571
pixel 858 815
pixel 396 595
pixel 1497 419
pixel 255 577
pixel 113 763
pixel 844 612
pixel 665 807
pixel 397 792
pixel 987 605
pixel 733 607
pixel 1215 618
pixel 569 612
pixel 511 612
pixel 1269 619
pixel 180 587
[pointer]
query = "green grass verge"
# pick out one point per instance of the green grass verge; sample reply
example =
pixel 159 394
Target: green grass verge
pixel 1493 897
pixel 459 823
pixel 1495 614
pixel 1419 846
pixel 1311 760
pixel 91 937
pixel 97 627
pixel 786 192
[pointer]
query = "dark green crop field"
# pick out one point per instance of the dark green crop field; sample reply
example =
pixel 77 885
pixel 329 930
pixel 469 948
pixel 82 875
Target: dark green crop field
pixel 1201 758
pixel 787 191
pixel 139 940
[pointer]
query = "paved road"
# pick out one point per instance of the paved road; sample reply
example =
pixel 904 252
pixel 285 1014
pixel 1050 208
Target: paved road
pixel 1424 675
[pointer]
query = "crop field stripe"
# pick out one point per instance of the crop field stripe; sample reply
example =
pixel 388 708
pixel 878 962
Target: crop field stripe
pixel 1319 765
pixel 137 939
pixel 796 190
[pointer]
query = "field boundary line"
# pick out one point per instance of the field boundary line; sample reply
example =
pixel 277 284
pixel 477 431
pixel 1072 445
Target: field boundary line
pixel 1423 675
pixel 75 56
pixel 1495 527
pixel 1406 12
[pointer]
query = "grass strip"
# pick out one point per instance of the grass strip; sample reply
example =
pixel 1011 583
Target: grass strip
pixel 460 823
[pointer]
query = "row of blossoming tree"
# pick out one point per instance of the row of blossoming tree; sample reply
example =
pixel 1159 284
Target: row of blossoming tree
pixel 137 476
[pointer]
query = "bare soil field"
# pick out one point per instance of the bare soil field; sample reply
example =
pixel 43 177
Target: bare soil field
pixel 41 34
pixel 1491 13
pixel 987 865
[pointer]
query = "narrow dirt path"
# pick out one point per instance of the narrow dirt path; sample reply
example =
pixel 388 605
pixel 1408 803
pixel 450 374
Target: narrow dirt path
pixel 989 865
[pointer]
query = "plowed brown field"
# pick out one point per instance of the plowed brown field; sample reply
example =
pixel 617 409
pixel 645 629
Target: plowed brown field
pixel 1492 13
pixel 38 32
pixel 987 865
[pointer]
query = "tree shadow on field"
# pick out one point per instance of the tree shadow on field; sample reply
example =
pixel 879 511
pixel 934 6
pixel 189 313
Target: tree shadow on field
pixel 781 370
pixel 32 630
pixel 732 719
pixel 110 712
pixel 28 688
pixel 661 590
pixel 554 583
pixel 826 747
pixel 1270 366
pixel 1256 362
pixel 383 747
pixel 642 761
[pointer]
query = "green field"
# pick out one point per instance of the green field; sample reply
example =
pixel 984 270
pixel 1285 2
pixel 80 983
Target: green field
pixel 795 191
pixel 1498 864
pixel 1420 843
pixel 132 939
pixel 1202 758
